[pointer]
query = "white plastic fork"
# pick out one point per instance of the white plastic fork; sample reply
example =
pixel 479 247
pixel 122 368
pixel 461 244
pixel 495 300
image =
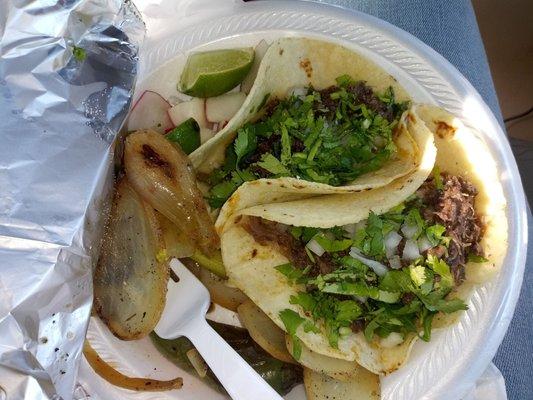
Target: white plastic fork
pixel 184 315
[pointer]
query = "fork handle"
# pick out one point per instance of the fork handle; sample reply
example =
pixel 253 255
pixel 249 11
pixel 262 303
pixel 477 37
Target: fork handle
pixel 238 378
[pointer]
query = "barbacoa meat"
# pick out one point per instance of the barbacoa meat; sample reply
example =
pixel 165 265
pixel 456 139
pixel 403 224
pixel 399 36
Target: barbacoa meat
pixel 268 233
pixel 453 207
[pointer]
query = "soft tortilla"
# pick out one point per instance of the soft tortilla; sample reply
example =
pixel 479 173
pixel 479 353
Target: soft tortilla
pixel 293 63
pixel 458 150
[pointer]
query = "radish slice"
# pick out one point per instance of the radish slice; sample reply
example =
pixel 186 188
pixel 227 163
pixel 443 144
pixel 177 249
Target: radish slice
pixel 194 108
pixel 260 51
pixel 150 112
pixel 223 108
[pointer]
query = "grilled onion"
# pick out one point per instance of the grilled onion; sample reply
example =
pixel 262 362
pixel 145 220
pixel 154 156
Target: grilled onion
pixel 163 177
pixel 130 285
pixel 117 378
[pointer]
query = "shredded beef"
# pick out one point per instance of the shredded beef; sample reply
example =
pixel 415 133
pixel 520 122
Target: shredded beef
pixel 453 207
pixel 358 325
pixel 271 233
pixel 271 107
pixel 363 95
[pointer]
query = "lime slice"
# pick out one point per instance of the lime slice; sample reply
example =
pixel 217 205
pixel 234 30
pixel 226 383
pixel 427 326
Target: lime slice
pixel 212 73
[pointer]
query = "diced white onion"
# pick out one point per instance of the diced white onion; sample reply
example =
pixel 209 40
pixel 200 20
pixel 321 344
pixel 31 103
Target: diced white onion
pixel 395 262
pixel 392 240
pixel 315 247
pixel 409 231
pixel 344 331
pixel 349 229
pixel 298 91
pixel 424 244
pixel 394 339
pixel 410 251
pixel 360 225
pixel 361 299
pixel 378 268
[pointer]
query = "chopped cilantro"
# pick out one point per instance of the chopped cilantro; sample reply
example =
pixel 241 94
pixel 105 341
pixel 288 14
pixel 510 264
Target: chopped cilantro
pixel 328 140
pixel 273 165
pixel 292 320
pixel 476 258
pixel 438 178
pixel 332 245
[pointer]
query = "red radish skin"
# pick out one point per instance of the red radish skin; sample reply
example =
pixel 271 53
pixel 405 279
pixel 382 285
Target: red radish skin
pixel 150 111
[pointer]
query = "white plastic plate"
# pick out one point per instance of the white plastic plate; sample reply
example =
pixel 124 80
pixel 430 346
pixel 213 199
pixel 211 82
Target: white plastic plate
pixel 446 367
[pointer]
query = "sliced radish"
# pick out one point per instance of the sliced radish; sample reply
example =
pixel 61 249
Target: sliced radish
pixel 194 108
pixel 223 108
pixel 150 112
pixel 206 134
pixel 260 51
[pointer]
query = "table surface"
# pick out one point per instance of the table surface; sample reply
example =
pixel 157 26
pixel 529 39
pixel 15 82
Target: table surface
pixel 450 27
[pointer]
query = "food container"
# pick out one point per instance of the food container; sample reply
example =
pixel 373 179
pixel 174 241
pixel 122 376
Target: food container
pixel 448 366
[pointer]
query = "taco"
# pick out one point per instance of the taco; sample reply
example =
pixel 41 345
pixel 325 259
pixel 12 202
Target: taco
pixel 361 276
pixel 319 119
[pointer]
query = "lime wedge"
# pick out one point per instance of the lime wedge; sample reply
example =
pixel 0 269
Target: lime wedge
pixel 212 73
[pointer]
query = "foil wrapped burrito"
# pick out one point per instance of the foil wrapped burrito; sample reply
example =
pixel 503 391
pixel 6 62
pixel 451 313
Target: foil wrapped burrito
pixel 67 73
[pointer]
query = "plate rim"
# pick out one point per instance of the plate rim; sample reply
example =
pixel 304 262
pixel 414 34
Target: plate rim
pixel 500 148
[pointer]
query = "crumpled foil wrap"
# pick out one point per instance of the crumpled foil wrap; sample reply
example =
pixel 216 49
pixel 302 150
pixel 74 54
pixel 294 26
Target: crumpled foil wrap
pixel 67 73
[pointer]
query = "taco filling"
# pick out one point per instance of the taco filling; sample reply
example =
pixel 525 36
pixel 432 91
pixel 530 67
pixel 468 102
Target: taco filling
pixel 386 276
pixel 329 136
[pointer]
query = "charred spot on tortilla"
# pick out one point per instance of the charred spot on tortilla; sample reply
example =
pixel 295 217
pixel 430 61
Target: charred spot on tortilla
pixel 153 159
pixel 254 253
pixel 443 130
pixel 281 51
pixel 298 186
pixel 305 64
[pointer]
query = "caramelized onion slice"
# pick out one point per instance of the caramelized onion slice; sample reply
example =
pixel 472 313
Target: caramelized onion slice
pixel 163 176
pixel 116 378
pixel 322 387
pixel 177 243
pixel 130 285
pixel 221 294
pixel 264 332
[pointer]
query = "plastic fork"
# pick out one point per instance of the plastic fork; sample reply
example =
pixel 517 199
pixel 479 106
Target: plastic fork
pixel 184 315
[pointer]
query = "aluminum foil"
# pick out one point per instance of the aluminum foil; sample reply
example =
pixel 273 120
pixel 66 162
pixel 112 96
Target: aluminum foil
pixel 67 73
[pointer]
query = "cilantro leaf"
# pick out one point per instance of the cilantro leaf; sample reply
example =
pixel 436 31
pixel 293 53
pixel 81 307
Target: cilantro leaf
pixel 476 258
pixel 245 143
pixel 438 178
pixel 273 165
pixel 293 274
pixel 435 234
pixel 441 268
pixel 292 320
pixel 331 245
